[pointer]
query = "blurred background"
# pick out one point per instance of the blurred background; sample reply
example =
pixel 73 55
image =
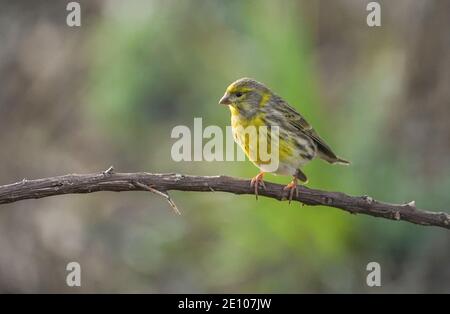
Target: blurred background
pixel 77 100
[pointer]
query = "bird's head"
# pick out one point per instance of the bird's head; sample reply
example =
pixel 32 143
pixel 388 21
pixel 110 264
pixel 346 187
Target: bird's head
pixel 245 96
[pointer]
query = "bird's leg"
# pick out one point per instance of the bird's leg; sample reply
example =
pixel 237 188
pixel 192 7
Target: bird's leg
pixel 292 187
pixel 258 181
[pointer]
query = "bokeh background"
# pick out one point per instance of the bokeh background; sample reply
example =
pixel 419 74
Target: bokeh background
pixel 77 100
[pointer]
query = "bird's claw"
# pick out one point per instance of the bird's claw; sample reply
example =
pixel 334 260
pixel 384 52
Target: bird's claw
pixel 292 187
pixel 257 182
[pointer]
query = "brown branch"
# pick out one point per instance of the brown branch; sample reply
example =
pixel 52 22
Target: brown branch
pixel 161 183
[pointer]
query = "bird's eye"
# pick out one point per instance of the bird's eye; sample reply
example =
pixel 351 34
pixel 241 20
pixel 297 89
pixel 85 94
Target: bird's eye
pixel 238 94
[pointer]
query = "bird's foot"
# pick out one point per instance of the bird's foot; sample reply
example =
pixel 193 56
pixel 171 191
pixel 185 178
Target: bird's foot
pixel 257 181
pixel 292 187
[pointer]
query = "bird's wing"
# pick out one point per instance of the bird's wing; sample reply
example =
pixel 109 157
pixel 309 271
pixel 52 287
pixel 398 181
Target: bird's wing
pixel 296 120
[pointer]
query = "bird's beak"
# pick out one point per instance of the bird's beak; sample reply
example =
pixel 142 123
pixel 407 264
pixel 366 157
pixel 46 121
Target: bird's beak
pixel 225 100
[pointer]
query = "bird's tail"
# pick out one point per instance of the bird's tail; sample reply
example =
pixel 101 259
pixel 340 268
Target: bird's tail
pixel 341 161
pixel 332 158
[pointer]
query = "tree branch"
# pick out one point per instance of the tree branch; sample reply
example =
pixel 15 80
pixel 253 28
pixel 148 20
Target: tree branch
pixel 161 183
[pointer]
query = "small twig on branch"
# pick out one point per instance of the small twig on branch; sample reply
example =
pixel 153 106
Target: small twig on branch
pixel 165 195
pixel 161 183
pixel 109 171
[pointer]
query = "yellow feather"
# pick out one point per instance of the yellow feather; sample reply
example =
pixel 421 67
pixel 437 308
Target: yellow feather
pixel 238 123
pixel 265 99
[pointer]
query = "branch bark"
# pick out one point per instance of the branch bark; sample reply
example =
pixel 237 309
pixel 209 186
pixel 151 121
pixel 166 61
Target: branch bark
pixel 161 183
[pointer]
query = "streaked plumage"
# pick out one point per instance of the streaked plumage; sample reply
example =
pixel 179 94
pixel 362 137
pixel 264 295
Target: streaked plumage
pixel 252 103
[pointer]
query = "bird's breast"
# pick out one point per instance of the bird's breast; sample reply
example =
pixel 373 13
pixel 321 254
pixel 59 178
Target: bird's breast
pixel 243 128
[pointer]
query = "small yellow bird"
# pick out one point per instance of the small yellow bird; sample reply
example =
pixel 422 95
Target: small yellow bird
pixel 253 104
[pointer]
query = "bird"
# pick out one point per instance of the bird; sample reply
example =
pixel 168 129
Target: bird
pixel 251 103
